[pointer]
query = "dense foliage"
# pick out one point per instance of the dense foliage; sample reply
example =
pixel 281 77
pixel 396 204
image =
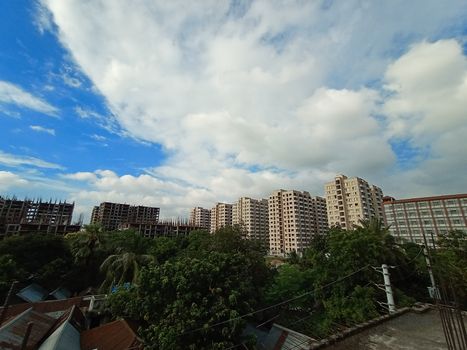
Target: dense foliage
pixel 198 292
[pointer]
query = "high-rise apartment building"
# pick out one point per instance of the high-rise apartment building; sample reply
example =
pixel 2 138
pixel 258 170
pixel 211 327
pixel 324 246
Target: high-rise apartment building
pixel 28 216
pixel 422 220
pixel 252 216
pixel 294 218
pixel 221 216
pixel 201 218
pixel 320 215
pixel 111 215
pixel 350 200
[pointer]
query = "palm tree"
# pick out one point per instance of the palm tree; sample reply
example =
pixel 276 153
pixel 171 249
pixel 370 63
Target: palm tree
pixel 85 243
pixel 125 265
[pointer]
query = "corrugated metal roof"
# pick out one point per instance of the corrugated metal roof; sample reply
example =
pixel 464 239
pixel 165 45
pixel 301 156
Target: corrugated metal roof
pixel 32 293
pixel 60 293
pixel 49 306
pixel 111 336
pixel 14 330
pixel 65 337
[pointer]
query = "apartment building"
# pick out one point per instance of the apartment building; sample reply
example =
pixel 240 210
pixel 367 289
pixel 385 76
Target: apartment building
pixel 200 218
pixel 252 216
pixel 422 220
pixel 319 209
pixel 35 216
pixel 221 216
pixel 350 200
pixel 111 215
pixel 294 218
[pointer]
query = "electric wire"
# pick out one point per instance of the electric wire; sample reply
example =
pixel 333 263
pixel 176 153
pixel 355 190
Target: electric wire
pixel 278 304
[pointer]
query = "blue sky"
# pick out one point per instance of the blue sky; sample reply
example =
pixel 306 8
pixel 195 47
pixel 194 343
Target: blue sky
pixel 177 105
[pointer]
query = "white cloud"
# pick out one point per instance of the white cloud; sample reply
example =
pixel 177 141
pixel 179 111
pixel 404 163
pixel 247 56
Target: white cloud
pixel 9 180
pixel 12 94
pixel 13 160
pixel 246 99
pixel 98 137
pixel 39 128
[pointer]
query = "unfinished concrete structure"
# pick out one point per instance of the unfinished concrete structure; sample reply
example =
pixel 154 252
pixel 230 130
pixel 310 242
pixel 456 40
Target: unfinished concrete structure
pixel 35 216
pixel 176 228
pixel 112 215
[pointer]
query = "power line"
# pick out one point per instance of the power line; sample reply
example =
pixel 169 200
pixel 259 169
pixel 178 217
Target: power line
pixel 411 260
pixel 278 304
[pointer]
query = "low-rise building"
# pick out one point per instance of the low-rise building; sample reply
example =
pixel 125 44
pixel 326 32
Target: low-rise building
pixel 422 220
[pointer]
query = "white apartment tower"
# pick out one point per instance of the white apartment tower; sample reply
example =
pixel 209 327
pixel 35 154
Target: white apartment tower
pixel 252 216
pixel 294 218
pixel 351 200
pixel 221 216
pixel 201 217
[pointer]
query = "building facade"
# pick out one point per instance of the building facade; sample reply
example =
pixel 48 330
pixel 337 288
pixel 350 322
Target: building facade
pixel 35 216
pixel 111 215
pixel 422 220
pixel 294 219
pixel 169 229
pixel 320 215
pixel 252 216
pixel 201 218
pixel 350 200
pixel 221 216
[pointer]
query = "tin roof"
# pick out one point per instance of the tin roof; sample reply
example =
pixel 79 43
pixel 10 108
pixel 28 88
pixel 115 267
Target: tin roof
pixel 32 293
pixel 13 331
pixel 114 335
pixel 48 306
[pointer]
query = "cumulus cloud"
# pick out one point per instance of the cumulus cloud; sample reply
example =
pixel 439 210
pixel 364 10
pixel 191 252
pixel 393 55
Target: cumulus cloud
pixel 245 98
pixel 10 180
pixel 427 106
pixel 12 94
pixel 14 160
pixel 39 128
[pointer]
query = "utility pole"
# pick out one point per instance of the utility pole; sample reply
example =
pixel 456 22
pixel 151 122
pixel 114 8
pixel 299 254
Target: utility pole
pixel 433 290
pixel 388 289
pixel 391 306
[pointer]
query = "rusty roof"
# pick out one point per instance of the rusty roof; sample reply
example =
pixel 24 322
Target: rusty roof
pixel 117 335
pixel 13 331
pixel 47 306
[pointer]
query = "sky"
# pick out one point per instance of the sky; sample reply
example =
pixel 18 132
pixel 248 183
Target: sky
pixel 178 104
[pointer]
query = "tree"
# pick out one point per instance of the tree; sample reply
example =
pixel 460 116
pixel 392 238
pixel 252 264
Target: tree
pixel 338 268
pixel 215 278
pixel 130 256
pixel 44 258
pixel 450 264
pixel 85 244
pixel 181 300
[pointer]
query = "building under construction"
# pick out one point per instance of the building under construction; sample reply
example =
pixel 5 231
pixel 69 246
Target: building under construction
pixel 35 216
pixel 112 215
pixel 171 228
